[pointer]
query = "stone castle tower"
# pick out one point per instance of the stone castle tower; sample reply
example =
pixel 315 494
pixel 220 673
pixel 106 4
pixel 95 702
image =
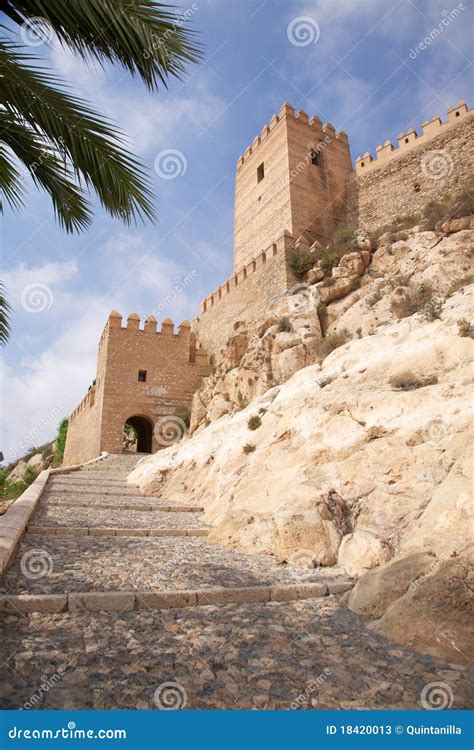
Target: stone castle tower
pixel 292 178
pixel 142 377
pixel 294 187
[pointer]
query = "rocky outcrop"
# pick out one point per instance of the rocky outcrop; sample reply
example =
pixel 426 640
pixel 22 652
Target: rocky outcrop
pixel 361 460
pixel 259 358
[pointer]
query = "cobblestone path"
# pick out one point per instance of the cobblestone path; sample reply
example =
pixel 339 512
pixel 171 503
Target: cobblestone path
pixel 312 653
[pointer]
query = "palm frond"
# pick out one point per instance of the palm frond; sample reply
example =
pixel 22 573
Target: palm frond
pixel 4 317
pixel 48 171
pixel 10 181
pixel 69 128
pixel 145 37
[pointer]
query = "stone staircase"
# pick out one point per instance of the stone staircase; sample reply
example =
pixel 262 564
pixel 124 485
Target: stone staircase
pixel 95 543
pixel 115 600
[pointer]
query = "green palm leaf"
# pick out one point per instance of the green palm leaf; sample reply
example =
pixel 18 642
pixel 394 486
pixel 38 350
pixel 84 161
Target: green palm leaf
pixel 4 317
pixel 59 140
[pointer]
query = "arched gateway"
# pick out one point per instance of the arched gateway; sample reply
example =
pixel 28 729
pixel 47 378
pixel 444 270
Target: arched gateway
pixel 144 432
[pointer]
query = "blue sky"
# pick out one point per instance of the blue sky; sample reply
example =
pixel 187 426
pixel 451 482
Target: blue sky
pixel 351 65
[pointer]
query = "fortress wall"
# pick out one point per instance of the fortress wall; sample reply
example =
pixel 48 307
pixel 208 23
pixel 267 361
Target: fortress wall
pixel 82 442
pixel 426 168
pixel 246 295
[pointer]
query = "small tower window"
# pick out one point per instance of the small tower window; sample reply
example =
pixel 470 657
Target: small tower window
pixel 457 114
pixel 315 157
pixel 406 140
pixel 417 187
pixel 260 172
pixel 142 376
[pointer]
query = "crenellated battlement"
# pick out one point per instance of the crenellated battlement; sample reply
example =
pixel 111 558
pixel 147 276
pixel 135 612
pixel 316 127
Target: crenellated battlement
pixel 87 401
pixel 245 272
pixel 320 131
pixel 409 140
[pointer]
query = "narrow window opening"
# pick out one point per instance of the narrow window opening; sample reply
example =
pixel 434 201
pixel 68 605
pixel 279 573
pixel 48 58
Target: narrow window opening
pixel 457 114
pixel 260 172
pixel 362 164
pixel 142 376
pixel 315 157
pixel 406 140
pixel 417 188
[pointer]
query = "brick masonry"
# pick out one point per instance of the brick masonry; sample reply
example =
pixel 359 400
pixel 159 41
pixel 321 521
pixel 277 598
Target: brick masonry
pixel 403 180
pixel 174 367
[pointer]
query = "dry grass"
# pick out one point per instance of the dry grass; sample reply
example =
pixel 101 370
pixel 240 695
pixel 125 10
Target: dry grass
pixel 409 381
pixel 332 342
pixel 249 448
pixel 254 423
pixel 465 328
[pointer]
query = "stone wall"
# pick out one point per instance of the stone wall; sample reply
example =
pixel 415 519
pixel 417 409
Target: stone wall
pixel 246 296
pixel 142 374
pixel 426 168
pixel 83 436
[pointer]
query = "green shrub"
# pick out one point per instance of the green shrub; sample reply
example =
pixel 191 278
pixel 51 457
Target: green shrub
pixel 453 206
pixel 249 448
pixel 342 242
pixel 10 491
pixel 300 262
pixel 254 423
pixel 60 443
pixel 332 342
pixel 465 328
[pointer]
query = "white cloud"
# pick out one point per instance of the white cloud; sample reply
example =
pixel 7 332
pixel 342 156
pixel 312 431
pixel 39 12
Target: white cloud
pixel 47 387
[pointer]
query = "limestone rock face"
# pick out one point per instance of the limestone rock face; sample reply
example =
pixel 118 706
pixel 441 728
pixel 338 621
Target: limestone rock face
pixel 256 359
pixel 350 468
pixel 361 551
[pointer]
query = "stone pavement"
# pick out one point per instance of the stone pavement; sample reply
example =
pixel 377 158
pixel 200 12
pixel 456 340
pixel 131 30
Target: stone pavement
pixel 312 653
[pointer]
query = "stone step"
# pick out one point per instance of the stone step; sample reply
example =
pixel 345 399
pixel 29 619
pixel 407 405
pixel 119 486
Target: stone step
pixel 108 531
pixel 126 601
pixel 124 506
pixel 116 484
pixel 92 491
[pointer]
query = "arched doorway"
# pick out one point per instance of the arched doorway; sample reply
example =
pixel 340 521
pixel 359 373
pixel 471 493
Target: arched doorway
pixel 143 430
